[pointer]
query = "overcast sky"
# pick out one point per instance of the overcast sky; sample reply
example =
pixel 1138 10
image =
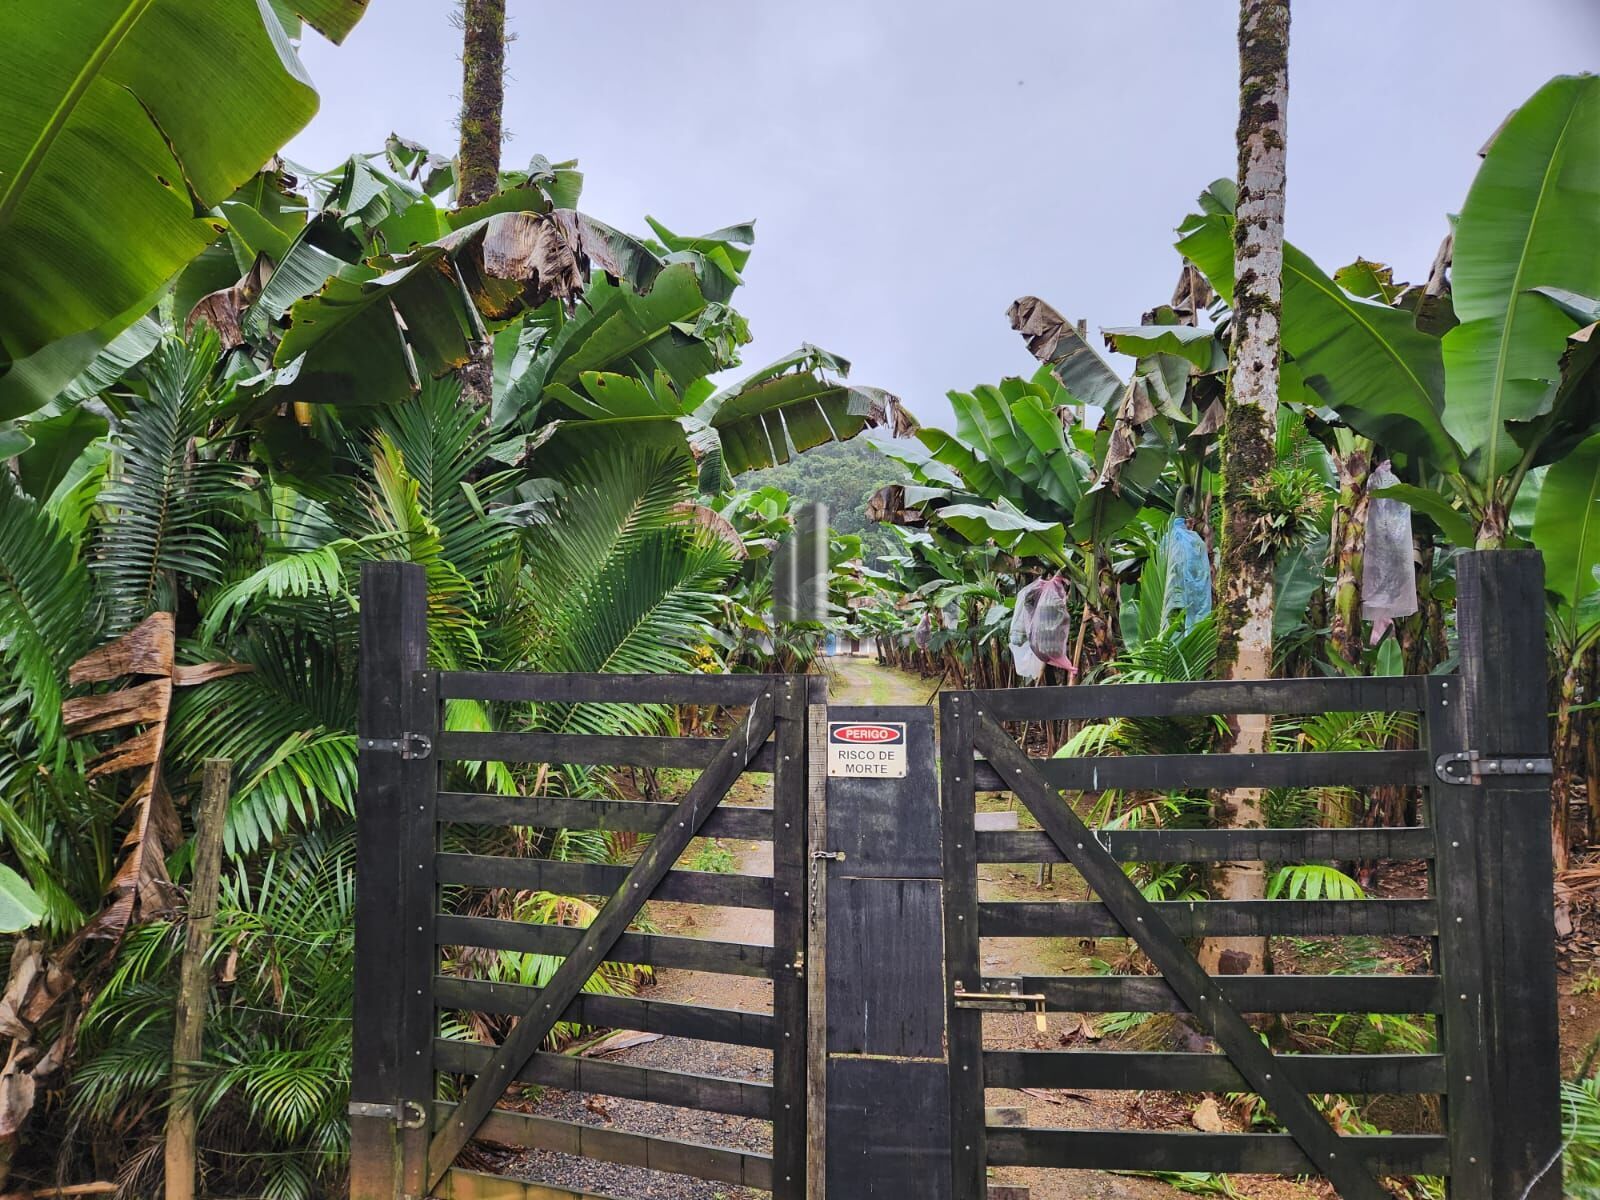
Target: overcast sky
pixel 915 165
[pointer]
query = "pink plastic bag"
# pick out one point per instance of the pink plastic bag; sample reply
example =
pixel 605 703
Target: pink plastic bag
pixel 1050 634
pixel 1026 662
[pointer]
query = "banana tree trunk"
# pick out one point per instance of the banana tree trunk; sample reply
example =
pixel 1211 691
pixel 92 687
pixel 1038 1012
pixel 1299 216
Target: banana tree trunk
pixel 1249 440
pixel 1350 523
pixel 1591 740
pixel 1566 763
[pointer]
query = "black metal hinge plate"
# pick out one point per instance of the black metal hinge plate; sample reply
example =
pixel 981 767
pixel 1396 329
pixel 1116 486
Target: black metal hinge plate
pixel 1466 767
pixel 407 745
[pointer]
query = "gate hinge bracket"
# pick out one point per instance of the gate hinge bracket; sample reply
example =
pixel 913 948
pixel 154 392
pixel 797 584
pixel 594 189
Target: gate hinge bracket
pixel 409 745
pixel 408 1114
pixel 1469 767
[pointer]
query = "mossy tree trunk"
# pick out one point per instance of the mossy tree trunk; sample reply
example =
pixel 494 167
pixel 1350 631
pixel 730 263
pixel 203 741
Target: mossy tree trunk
pixel 1249 436
pixel 483 67
pixel 483 70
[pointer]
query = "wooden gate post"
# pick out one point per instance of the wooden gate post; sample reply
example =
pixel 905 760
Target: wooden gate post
pixel 394 646
pixel 1500 624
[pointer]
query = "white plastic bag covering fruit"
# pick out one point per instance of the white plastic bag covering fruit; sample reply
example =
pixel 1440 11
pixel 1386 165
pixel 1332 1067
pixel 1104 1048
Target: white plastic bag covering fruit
pixel 1188 572
pixel 924 633
pixel 1388 576
pixel 1023 658
pixel 1049 634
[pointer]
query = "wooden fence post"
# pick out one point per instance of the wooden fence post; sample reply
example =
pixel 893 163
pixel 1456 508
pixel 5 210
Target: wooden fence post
pixel 1500 624
pixel 394 646
pixel 194 981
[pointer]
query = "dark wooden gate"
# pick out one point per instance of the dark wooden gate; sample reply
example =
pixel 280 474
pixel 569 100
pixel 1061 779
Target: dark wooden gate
pixel 406 1139
pixel 1483 773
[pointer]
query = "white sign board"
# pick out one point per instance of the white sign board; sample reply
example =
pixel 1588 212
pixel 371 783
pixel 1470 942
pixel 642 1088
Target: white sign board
pixel 867 749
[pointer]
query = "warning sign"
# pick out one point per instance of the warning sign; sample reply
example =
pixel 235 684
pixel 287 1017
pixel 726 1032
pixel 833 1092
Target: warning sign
pixel 867 749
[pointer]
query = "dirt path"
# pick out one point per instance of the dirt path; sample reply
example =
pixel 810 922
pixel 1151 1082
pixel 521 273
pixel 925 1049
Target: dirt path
pixel 854 680
pixel 859 679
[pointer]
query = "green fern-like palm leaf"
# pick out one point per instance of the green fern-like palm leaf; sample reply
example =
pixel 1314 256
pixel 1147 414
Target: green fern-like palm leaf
pixel 165 488
pixel 46 607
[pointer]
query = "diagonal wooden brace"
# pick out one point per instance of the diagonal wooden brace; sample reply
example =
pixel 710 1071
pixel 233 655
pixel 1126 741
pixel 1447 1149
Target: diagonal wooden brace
pixel 534 1026
pixel 1183 974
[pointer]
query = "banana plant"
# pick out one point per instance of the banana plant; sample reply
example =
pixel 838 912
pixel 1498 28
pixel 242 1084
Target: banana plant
pixel 1478 388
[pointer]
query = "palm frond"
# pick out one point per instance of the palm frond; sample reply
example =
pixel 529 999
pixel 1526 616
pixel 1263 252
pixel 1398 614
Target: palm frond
pixel 47 617
pixel 287 727
pixel 619 583
pixel 321 571
pixel 164 490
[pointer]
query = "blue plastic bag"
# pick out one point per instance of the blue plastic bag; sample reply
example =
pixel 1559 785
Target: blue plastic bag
pixel 1188 572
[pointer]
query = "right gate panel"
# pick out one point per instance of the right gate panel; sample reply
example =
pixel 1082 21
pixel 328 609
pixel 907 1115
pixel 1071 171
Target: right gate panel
pixel 1376 992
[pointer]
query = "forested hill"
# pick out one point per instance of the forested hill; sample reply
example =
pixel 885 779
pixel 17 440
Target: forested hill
pixel 839 474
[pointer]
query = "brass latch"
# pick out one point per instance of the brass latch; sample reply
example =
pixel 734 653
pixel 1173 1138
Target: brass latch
pixel 1012 1001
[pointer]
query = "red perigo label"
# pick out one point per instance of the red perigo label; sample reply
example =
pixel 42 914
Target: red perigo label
pixel 860 733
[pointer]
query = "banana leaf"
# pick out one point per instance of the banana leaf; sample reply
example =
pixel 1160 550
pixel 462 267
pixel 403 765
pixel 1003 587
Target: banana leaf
pixel 1054 340
pixel 1530 221
pixel 372 331
pixel 1566 523
pixel 1013 531
pixel 128 122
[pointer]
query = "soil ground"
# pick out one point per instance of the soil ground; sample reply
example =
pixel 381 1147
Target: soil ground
pixel 861 680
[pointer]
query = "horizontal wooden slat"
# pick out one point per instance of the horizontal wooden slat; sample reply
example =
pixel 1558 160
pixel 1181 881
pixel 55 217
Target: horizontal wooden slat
pixel 1247 993
pixel 718 1163
pixel 1215 918
pixel 601 879
pixel 1222 845
pixel 1397 693
pixel 592 749
pixel 572 1073
pixel 650 949
pixel 734 1026
pixel 1254 1153
pixel 1183 772
pixel 458 1184
pixel 603 689
pixel 1128 1070
pixel 560 812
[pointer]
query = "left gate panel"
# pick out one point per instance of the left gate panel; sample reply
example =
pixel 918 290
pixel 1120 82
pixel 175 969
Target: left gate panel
pixel 488 971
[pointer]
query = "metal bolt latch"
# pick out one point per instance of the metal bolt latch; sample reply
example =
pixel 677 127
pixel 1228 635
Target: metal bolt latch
pixel 409 745
pixel 408 1114
pixel 1469 767
pixel 1013 1001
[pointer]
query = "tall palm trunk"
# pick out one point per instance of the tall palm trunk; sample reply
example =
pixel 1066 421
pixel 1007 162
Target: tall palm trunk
pixel 1248 444
pixel 483 68
pixel 483 64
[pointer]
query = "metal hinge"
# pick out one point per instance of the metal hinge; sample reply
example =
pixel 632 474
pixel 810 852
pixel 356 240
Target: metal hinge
pixel 1468 766
pixel 408 1114
pixel 410 745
